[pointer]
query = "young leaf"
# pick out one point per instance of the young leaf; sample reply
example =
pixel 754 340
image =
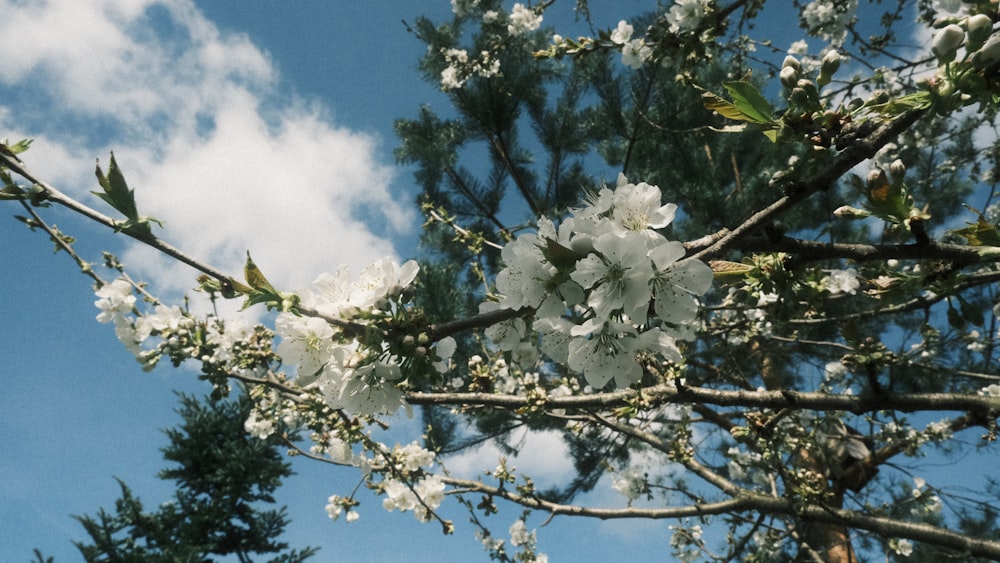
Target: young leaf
pixel 116 191
pixel 980 233
pixel 256 278
pixel 750 102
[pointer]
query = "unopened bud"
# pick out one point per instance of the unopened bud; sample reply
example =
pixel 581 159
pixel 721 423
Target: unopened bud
pixel 897 169
pixel 879 97
pixel 988 54
pixel 848 212
pixel 788 76
pixel 946 43
pixel 980 27
pixel 876 179
pixel 829 65
pixel 791 62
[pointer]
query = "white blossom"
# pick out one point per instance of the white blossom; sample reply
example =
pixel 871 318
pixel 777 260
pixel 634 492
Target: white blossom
pixel 842 281
pixel 686 15
pixel 622 33
pixel 523 20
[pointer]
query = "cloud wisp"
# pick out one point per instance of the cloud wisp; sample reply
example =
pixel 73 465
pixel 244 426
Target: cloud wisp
pixel 216 145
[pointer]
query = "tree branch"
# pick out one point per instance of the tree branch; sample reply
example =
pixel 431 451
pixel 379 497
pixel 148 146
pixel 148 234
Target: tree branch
pixel 783 399
pixel 54 195
pixel 855 153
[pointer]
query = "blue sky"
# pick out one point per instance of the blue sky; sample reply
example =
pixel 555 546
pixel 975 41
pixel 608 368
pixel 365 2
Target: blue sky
pixel 243 125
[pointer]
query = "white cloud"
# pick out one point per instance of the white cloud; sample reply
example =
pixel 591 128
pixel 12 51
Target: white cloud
pixel 206 132
pixel 543 456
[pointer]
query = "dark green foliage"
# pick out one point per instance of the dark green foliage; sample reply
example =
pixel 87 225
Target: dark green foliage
pixel 225 479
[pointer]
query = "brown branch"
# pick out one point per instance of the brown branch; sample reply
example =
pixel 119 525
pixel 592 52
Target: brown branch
pixel 814 250
pixel 52 194
pixel 796 192
pixel 746 501
pixel 782 399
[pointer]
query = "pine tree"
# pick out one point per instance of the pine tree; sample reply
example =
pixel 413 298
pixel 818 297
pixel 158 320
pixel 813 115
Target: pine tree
pixel 225 479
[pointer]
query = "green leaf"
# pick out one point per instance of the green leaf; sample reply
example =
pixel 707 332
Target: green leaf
pixel 980 233
pixel 724 269
pixel 255 277
pixel 15 149
pixel 12 191
pixel 118 195
pixel 116 191
pixel 260 290
pixel 558 255
pixel 748 101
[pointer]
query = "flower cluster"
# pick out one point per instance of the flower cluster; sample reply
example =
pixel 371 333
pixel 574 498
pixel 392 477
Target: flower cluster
pixel 594 281
pixel 686 15
pixel 523 20
pixel 461 67
pixel 635 52
pixel 829 18
pixel 408 487
pixel 350 360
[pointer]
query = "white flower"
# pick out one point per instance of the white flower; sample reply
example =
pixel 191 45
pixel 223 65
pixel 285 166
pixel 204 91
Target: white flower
pixel 163 319
pixel 525 279
pixel 622 33
pixel 507 334
pixel 800 47
pixel 116 300
pixel 370 390
pixel 602 351
pixel 637 207
pixel 258 427
pixel 555 333
pixel 430 490
pixel 618 277
pixel 992 390
pixel 381 279
pixel 676 283
pixel 306 342
pixel 463 7
pixel 686 15
pixel 450 79
pixel 901 547
pixel 523 19
pixel 842 281
pixel 413 457
pixel 444 349
pixel 519 534
pixel 636 52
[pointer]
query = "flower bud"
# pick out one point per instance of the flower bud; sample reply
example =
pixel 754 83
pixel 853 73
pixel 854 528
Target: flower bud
pixel 791 62
pixel 946 43
pixel 848 212
pixel 988 54
pixel 980 27
pixel 828 66
pixel 897 169
pixel 879 97
pixel 876 179
pixel 789 77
